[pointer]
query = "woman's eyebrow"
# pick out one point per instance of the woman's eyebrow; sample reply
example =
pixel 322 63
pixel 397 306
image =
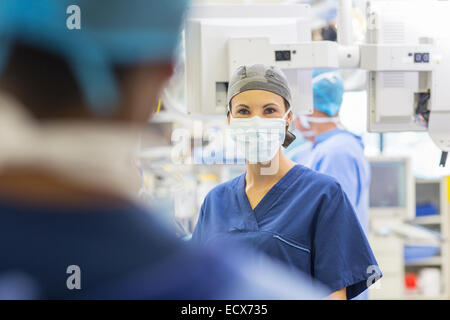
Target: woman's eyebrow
pixel 243 105
pixel 270 104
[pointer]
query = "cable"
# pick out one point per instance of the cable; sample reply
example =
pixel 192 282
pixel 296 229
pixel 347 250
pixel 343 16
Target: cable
pixel 422 112
pixel 444 155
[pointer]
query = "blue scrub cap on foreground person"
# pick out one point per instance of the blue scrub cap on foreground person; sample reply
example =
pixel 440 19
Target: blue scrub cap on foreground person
pixel 328 89
pixel 113 32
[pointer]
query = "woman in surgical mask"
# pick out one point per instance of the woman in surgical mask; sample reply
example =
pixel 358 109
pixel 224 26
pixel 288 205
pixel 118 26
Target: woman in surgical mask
pixel 289 212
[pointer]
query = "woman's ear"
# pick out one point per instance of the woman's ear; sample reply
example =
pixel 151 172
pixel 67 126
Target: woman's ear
pixel 289 117
pixel 229 112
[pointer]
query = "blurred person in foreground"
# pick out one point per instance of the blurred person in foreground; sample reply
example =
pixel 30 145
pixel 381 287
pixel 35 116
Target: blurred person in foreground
pixel 73 102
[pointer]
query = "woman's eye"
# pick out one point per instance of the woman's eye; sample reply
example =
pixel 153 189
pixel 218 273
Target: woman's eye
pixel 269 110
pixel 243 111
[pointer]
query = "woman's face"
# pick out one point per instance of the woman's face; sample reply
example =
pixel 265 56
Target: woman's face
pixel 260 103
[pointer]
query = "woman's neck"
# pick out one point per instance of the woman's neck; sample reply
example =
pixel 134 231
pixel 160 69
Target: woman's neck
pixel 259 174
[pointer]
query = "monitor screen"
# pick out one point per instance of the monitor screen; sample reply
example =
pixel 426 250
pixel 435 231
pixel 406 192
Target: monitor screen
pixel 213 34
pixel 388 184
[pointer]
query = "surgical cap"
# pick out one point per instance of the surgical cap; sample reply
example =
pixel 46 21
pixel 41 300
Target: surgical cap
pixel 259 77
pixel 328 89
pixel 112 33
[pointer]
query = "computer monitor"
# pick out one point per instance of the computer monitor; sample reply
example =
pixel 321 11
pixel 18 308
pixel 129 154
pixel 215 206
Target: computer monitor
pixel 208 31
pixel 391 187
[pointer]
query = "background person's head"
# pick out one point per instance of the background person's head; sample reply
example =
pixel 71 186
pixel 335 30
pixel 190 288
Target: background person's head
pixel 328 91
pixel 113 67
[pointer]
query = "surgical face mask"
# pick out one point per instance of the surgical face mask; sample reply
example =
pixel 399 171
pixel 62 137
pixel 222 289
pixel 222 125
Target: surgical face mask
pixel 306 120
pixel 258 139
pixel 306 130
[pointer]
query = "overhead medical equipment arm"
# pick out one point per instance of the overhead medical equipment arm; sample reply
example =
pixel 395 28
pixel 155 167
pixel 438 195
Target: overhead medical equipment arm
pixel 408 63
pixel 429 104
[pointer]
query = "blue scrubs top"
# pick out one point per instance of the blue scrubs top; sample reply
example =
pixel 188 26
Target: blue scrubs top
pixel 305 221
pixel 123 252
pixel 340 154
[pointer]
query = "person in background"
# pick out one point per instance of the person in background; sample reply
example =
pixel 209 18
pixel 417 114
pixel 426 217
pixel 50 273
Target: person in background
pixel 73 101
pixel 333 150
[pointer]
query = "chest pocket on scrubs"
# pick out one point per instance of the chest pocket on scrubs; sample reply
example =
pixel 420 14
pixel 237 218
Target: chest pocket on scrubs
pixel 295 255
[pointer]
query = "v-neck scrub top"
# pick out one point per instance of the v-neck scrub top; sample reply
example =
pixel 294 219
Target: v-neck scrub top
pixel 305 221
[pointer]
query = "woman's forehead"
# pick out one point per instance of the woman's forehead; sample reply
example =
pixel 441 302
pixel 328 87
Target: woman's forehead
pixel 257 98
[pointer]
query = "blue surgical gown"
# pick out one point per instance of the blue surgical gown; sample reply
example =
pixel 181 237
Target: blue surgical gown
pixel 123 252
pixel 305 221
pixel 340 154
